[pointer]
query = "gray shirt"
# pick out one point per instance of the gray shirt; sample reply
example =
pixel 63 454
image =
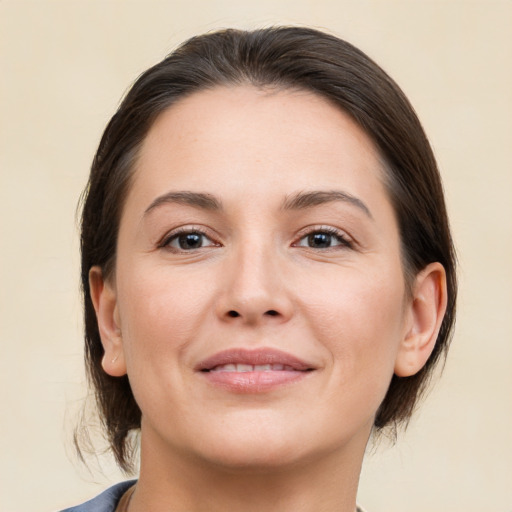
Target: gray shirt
pixel 108 500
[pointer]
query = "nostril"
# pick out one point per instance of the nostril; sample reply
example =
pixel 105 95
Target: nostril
pixel 234 314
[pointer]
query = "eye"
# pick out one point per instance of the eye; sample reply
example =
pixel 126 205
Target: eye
pixel 187 240
pixel 324 239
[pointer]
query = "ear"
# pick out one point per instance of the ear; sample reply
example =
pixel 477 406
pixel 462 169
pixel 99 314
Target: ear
pixel 104 299
pixel 425 314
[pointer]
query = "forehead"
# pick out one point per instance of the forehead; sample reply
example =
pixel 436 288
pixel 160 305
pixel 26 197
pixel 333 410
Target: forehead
pixel 248 138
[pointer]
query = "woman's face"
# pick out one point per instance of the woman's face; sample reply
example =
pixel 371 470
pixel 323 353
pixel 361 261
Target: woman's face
pixel 258 295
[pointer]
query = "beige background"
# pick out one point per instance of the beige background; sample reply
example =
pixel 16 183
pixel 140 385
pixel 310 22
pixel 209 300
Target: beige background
pixel 63 68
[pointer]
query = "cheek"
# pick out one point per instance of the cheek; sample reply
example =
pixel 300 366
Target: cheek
pixel 359 318
pixel 161 315
pixel 160 318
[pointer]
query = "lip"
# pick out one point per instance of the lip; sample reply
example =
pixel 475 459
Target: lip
pixel 257 381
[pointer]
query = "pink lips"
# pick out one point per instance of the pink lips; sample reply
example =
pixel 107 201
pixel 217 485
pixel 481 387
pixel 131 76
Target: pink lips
pixel 253 371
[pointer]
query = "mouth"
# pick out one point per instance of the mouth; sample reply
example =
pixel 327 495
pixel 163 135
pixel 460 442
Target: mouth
pixel 256 360
pixel 242 368
pixel 253 371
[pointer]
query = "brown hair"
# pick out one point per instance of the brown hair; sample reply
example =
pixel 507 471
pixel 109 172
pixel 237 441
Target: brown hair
pixel 282 57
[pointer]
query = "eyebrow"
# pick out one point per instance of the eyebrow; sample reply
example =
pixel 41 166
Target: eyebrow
pixel 299 201
pixel 303 200
pixel 197 199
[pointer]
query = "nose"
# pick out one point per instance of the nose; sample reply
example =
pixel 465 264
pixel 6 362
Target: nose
pixel 254 288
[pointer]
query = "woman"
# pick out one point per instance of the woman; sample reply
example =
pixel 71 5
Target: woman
pixel 268 273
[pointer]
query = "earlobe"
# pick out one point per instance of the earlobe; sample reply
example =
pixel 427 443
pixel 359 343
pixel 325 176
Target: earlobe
pixel 426 313
pixel 104 299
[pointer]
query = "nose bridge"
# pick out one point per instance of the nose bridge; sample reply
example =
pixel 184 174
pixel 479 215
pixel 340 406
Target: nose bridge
pixel 254 289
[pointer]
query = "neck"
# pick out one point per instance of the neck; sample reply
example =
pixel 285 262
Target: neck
pixel 178 483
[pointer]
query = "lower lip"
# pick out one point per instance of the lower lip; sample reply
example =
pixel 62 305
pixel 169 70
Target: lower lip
pixel 253 382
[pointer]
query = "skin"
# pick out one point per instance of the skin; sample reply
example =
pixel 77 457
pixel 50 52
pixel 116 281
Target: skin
pixel 343 309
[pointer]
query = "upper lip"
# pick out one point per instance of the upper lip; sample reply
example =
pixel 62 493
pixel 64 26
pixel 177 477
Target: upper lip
pixel 258 356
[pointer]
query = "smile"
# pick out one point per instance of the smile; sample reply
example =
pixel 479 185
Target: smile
pixel 252 368
pixel 244 371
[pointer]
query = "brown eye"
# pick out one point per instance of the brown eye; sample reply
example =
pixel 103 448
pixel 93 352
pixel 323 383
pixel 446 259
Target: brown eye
pixel 324 239
pixel 188 241
pixel 319 240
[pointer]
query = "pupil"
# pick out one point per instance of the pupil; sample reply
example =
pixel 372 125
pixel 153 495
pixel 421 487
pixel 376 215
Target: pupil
pixel 319 240
pixel 190 241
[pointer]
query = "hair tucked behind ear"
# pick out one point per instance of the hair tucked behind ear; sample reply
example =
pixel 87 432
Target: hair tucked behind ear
pixel 282 57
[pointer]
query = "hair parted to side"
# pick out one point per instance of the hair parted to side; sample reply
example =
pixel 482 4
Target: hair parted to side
pixel 282 58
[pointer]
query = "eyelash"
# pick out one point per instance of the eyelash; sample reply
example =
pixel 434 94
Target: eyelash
pixel 174 235
pixel 341 238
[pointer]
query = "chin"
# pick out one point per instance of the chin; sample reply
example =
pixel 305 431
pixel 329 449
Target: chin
pixel 254 456
pixel 265 445
pixel 254 442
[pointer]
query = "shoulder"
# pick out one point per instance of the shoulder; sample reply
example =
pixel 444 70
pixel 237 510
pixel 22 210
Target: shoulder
pixel 106 501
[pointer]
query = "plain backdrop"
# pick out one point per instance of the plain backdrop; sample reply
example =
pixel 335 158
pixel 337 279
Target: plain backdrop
pixel 64 66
